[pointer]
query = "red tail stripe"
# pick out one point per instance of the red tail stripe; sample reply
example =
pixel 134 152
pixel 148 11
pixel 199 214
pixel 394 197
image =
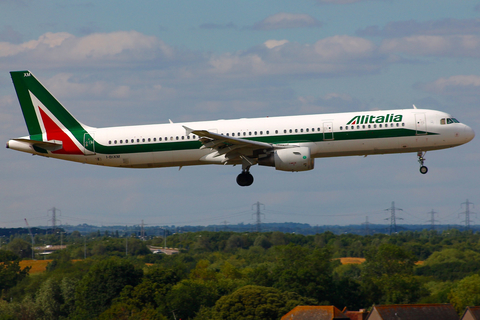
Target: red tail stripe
pixel 54 132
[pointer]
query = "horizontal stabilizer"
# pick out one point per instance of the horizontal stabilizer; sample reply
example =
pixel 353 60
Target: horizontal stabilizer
pixel 27 145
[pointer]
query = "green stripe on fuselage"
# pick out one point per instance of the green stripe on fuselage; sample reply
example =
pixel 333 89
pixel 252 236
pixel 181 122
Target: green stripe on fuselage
pixel 276 139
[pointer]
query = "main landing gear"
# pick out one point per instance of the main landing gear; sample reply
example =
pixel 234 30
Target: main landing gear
pixel 245 178
pixel 421 160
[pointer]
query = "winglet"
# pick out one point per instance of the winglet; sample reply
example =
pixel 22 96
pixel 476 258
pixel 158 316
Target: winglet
pixel 188 130
pixel 414 107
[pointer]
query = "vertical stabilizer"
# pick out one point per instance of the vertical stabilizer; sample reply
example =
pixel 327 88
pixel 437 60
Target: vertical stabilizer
pixel 46 118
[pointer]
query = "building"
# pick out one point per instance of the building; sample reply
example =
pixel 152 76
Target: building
pixel 361 314
pixel 414 312
pixel 315 313
pixel 471 313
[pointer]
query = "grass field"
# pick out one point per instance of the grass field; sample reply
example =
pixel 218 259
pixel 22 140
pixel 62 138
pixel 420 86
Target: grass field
pixel 38 266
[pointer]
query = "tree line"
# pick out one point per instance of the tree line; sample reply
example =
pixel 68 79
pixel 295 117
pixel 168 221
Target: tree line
pixel 228 275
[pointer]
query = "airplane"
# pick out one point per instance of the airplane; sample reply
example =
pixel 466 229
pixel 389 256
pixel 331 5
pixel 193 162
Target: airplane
pixel 287 143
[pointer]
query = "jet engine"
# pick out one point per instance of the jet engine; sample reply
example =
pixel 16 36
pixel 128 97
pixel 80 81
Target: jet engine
pixel 289 159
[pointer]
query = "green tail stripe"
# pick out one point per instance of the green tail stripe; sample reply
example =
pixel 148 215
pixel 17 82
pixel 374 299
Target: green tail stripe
pixel 25 81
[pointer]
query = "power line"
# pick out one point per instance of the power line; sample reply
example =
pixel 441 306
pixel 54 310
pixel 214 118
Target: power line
pixel 393 219
pixel 432 219
pixel 258 214
pixel 467 214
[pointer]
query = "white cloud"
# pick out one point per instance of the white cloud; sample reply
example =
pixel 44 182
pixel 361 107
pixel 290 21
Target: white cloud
pixel 56 49
pixel 424 45
pixel 454 85
pixel 285 20
pixel 441 27
pixel 270 44
pixel 333 56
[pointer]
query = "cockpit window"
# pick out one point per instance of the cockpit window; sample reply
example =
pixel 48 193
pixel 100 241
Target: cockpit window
pixel 448 121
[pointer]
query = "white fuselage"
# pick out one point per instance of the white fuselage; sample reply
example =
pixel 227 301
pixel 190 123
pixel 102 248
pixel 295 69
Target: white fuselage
pixel 327 135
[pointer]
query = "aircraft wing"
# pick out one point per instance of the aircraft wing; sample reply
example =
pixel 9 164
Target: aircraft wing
pixel 229 146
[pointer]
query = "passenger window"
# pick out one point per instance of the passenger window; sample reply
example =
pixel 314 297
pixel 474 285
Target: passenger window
pixel 244 134
pixel 374 125
pixel 290 130
pixel 267 132
pixel 276 131
pixel 149 139
pixel 363 126
pixel 346 128
pixel 255 133
pixel 398 124
pixel 296 130
pixel 138 140
pixel 261 132
pixel 306 129
pixel 115 142
pixel 110 142
pixel 380 125
pixel 358 127
pixel 143 140
pixel 121 141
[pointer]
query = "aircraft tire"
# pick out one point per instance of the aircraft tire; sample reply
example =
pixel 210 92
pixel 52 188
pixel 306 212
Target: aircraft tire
pixel 245 179
pixel 423 169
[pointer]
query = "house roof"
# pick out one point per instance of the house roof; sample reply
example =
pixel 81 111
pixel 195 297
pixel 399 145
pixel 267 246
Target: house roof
pixel 414 312
pixel 473 311
pixel 314 313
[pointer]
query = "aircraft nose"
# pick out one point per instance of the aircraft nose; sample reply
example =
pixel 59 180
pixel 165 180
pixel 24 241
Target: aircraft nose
pixel 469 133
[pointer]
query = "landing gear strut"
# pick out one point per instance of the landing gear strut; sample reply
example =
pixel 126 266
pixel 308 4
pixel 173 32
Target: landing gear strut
pixel 245 178
pixel 421 160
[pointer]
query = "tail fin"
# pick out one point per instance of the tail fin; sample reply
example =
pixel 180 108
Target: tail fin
pixel 46 119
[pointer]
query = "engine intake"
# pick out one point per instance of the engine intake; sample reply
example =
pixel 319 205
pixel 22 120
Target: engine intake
pixel 289 159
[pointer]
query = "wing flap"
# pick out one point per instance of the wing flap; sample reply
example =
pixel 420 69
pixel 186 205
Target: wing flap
pixel 227 146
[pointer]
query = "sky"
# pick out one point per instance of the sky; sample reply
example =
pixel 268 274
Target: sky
pixel 142 62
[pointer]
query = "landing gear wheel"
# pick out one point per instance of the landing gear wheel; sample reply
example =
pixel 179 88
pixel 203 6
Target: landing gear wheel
pixel 245 179
pixel 421 160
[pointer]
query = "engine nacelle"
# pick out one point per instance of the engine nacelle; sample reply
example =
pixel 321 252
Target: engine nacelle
pixel 289 159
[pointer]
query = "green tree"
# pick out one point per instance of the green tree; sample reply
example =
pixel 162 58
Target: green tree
pixel 256 302
pixel 103 282
pixel 186 297
pixel 387 275
pixel 20 247
pixel 49 299
pixel 466 293
pixel 10 271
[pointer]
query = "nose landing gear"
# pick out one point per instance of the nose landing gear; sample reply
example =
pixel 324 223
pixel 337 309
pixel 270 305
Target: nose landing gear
pixel 421 160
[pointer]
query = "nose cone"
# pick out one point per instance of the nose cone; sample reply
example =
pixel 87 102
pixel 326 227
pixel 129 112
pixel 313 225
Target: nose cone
pixel 469 133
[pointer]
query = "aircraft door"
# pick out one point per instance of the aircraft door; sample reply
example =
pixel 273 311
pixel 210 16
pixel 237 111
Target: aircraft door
pixel 327 131
pixel 89 143
pixel 420 123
